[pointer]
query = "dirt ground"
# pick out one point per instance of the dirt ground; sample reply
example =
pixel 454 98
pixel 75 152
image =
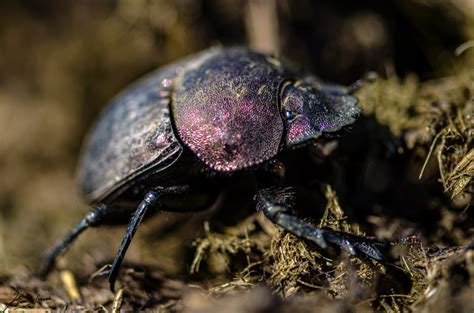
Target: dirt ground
pixel 403 173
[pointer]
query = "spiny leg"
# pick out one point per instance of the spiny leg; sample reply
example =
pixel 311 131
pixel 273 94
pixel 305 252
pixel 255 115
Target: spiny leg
pixel 93 218
pixel 275 204
pixel 151 199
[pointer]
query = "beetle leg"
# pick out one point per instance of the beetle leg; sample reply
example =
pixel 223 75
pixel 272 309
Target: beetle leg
pixel 275 204
pixel 151 199
pixel 92 218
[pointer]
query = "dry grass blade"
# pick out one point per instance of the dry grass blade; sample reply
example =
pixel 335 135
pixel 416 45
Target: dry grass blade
pixel 461 176
pixel 70 284
pixel 118 301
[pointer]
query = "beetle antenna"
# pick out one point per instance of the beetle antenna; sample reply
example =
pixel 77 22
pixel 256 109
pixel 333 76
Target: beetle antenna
pixel 150 199
pixel 370 77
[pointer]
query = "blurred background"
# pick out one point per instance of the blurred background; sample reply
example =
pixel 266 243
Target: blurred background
pixel 61 61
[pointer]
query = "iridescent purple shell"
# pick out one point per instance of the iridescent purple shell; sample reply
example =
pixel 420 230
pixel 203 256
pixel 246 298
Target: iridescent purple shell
pixel 225 108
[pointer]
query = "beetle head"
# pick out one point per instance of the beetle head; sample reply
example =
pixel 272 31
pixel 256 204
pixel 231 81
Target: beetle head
pixel 311 110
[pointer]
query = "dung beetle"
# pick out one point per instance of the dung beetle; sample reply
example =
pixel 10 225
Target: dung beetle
pixel 167 141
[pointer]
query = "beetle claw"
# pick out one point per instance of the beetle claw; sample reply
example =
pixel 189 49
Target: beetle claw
pixel 273 203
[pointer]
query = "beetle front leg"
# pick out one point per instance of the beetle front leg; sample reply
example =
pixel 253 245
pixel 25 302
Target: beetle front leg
pixel 275 203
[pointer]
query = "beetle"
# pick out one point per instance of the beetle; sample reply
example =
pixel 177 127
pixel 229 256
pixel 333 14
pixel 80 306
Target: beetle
pixel 222 111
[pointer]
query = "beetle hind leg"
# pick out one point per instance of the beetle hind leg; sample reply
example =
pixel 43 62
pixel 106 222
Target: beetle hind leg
pixel 275 203
pixel 101 216
pixel 93 218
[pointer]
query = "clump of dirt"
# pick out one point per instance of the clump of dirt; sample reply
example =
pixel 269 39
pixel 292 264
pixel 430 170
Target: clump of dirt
pixel 452 127
pixel 439 112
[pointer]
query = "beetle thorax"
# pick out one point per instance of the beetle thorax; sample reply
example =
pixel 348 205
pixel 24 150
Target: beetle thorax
pixel 226 112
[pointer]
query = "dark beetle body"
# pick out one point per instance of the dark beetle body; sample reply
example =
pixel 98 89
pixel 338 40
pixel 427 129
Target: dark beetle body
pixel 222 104
pixel 134 135
pixel 166 143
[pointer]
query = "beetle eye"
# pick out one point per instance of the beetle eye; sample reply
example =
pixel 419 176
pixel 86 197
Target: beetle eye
pixel 289 115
